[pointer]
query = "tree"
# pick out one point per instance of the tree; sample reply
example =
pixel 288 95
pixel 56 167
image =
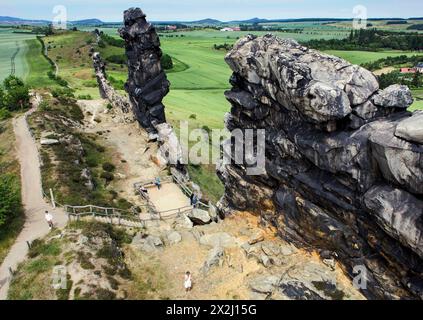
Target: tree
pixel 17 93
pixel 10 200
pixel 166 62
pixel 2 98
pixel 417 81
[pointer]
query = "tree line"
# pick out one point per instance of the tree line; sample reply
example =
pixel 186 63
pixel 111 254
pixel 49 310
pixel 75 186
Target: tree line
pixel 371 40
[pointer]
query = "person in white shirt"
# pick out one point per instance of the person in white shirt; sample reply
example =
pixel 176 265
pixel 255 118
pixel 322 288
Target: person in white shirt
pixel 49 219
pixel 188 281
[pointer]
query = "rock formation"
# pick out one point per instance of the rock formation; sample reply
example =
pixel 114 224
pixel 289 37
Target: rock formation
pixel 344 160
pixel 119 102
pixel 147 83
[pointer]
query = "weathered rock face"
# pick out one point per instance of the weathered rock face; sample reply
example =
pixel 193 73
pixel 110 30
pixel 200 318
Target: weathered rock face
pixel 120 103
pixel 147 83
pixel 344 167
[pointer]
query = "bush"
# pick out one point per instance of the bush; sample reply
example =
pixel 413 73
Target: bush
pixel 109 167
pixel 16 94
pixel 166 62
pixel 112 41
pixel 10 197
pixel 85 97
pixel 117 84
pixel 4 114
pixel 108 176
pixel 118 59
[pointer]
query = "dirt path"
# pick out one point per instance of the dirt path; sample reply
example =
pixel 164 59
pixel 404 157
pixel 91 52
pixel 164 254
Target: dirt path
pixel 133 156
pixel 35 226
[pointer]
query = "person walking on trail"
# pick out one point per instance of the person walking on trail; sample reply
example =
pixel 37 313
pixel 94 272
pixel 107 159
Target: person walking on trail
pixel 191 199
pixel 158 183
pixel 188 281
pixel 194 200
pixel 49 218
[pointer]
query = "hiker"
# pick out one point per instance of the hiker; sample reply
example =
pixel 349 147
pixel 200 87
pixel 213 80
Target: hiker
pixel 49 219
pixel 194 200
pixel 188 281
pixel 157 183
pixel 191 199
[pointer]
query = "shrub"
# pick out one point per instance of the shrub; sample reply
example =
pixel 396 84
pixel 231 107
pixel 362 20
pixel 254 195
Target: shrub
pixel 166 62
pixel 10 197
pixel 44 106
pixel 85 97
pixel 108 176
pixel 118 59
pixel 4 114
pixel 16 94
pixel 193 116
pixel 109 167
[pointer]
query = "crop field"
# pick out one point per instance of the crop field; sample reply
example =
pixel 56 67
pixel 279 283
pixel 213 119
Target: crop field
pixel 10 43
pixel 380 24
pixel 360 57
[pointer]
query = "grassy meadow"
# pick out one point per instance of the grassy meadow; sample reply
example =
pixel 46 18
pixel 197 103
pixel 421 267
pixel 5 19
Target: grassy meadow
pixel 10 42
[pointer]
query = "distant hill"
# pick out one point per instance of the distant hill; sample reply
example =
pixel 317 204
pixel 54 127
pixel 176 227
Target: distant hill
pixel 207 21
pixel 15 21
pixel 87 22
pixel 4 20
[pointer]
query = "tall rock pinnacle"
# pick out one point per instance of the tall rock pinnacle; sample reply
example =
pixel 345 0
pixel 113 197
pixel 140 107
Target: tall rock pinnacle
pixel 147 83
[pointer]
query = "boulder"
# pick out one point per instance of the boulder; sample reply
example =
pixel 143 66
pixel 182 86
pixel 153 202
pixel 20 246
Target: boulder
pixel 399 213
pixel 174 237
pixel 394 96
pixel 297 290
pixel 264 284
pixel 214 258
pixel 48 142
pixel 256 238
pixel 183 222
pixel 411 129
pixel 399 161
pixel 220 239
pixel 199 217
pixel 147 243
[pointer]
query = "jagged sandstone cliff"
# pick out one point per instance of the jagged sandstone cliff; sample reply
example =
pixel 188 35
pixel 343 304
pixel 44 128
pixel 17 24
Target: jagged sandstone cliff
pixel 344 160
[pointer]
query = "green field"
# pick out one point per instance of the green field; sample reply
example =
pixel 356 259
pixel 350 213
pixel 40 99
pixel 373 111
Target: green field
pixel 9 43
pixel 38 66
pixel 360 57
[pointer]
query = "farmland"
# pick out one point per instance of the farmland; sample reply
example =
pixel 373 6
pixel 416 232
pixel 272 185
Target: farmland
pixel 10 43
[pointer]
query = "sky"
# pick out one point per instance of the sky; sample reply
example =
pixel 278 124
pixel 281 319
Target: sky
pixel 225 10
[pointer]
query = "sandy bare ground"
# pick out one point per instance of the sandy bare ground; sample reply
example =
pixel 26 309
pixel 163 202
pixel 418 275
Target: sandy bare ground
pixel 231 279
pixel 35 225
pixel 168 198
